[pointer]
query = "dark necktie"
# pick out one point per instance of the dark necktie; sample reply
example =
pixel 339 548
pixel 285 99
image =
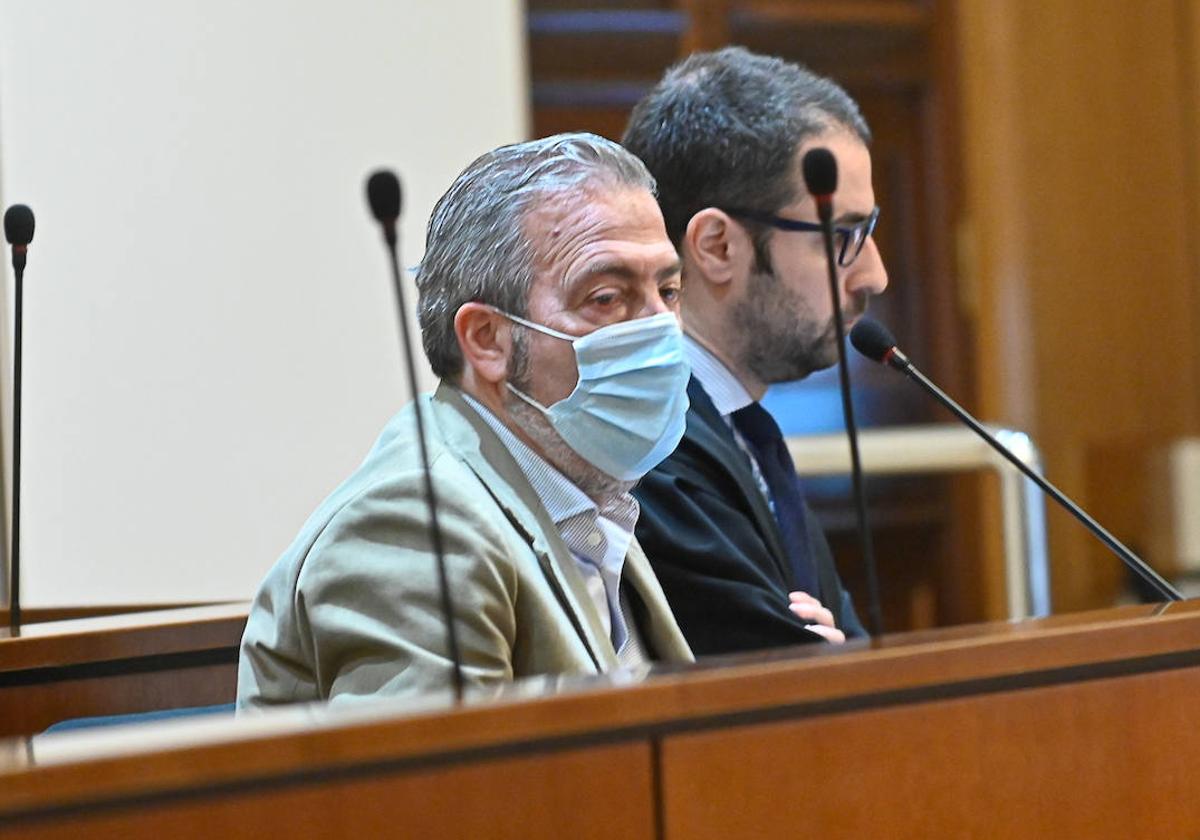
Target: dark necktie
pixel 761 432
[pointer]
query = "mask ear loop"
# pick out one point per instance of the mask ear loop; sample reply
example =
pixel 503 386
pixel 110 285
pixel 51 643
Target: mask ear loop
pixel 521 395
pixel 516 319
pixel 553 333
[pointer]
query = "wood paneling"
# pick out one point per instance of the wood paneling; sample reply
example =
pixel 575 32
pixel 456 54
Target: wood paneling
pixel 39 615
pixel 601 793
pixel 27 708
pixel 119 664
pixel 1099 760
pixel 1079 129
pixel 969 731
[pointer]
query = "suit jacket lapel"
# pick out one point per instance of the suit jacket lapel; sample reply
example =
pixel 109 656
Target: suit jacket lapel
pixel 662 636
pixel 710 433
pixel 470 436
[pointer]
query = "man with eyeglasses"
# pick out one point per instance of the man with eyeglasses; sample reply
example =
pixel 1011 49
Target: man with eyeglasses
pixel 739 553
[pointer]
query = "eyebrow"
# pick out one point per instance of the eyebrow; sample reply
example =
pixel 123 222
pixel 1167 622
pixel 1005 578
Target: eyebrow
pixel 622 270
pixel 674 268
pixel 851 218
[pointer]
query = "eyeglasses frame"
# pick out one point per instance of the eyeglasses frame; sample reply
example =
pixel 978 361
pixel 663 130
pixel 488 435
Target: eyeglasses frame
pixel 847 232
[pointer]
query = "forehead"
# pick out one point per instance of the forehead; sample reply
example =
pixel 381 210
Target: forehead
pixel 854 190
pixel 569 227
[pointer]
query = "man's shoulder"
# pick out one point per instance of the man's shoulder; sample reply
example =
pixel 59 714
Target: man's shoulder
pixel 384 501
pixel 361 565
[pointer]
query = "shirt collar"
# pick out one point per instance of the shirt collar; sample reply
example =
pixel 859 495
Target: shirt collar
pixel 561 497
pixel 725 390
pixel 598 537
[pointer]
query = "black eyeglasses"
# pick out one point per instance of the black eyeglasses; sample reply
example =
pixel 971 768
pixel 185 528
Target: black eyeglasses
pixel 852 237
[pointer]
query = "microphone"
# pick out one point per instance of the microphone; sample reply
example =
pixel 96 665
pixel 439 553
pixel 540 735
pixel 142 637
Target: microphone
pixel 821 177
pixel 18 232
pixel 383 197
pixel 875 342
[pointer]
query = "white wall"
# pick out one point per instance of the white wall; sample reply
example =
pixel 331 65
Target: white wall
pixel 209 339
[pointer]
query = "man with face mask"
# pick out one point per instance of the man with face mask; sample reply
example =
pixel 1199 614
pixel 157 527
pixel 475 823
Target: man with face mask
pixel 549 298
pixel 724 521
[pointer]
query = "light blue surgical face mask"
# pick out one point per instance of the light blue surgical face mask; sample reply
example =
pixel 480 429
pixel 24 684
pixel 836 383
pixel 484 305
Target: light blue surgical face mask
pixel 627 412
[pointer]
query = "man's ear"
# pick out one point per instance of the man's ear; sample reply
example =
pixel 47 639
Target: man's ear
pixel 716 245
pixel 485 339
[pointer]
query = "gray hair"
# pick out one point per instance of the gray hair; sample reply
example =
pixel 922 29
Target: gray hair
pixel 477 247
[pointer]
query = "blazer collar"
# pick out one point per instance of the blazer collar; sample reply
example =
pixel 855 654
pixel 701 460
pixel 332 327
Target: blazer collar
pixel 660 632
pixel 485 454
pixel 708 431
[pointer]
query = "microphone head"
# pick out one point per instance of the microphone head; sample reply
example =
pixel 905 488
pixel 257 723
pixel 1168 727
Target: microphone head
pixel 383 195
pixel 18 225
pixel 873 340
pixel 820 171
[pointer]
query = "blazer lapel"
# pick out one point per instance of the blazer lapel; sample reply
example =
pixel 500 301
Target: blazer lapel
pixel 659 629
pixel 708 431
pixel 486 455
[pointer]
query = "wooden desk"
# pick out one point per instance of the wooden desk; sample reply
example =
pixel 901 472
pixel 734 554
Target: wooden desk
pixel 1074 726
pixel 118 664
pixel 40 615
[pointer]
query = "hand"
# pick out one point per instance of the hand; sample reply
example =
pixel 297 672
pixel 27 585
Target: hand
pixel 810 609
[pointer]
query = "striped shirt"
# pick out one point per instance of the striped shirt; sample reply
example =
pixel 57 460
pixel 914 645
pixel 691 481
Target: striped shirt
pixel 598 536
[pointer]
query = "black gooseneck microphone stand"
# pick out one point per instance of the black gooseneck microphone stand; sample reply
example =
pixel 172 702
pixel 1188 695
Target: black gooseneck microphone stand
pixel 820 176
pixel 18 231
pixel 875 342
pixel 383 196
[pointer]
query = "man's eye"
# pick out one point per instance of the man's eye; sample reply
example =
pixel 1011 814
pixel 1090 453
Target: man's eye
pixel 669 293
pixel 605 298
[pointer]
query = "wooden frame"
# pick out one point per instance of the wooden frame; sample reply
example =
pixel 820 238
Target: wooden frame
pixel 1070 726
pixel 118 664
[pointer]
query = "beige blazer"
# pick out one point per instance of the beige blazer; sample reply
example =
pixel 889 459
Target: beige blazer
pixel 352 607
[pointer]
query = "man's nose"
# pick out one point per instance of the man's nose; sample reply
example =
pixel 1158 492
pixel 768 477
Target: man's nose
pixel 867 274
pixel 654 305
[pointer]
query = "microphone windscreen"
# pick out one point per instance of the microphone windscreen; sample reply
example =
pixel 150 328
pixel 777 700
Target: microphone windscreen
pixel 383 194
pixel 820 171
pixel 18 225
pixel 872 339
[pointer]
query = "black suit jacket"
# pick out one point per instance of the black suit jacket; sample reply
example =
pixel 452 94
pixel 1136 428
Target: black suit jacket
pixel 717 549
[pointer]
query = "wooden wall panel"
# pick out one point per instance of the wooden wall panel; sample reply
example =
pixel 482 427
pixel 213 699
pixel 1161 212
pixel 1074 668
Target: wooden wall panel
pixel 1079 245
pixel 1189 46
pixel 29 708
pixel 989 766
pixel 600 793
pixel 118 664
pixel 1072 726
